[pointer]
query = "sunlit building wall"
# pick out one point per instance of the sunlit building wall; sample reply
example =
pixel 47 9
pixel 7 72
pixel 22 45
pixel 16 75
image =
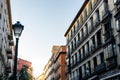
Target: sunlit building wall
pixel 49 69
pixel 93 42
pixel 41 77
pixel 60 64
pixel 6 40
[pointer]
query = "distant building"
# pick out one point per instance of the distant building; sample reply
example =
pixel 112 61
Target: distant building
pixel 21 63
pixel 6 40
pixel 60 64
pixel 41 77
pixel 55 68
pixel 93 42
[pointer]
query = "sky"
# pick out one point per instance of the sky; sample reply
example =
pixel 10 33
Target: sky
pixel 45 23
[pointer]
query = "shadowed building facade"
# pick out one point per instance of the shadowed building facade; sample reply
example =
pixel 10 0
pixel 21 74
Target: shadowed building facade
pixel 93 42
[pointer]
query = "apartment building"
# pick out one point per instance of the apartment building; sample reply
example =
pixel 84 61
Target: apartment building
pixel 60 64
pixel 6 40
pixel 49 68
pixel 40 77
pixel 56 66
pixel 93 42
pixel 21 63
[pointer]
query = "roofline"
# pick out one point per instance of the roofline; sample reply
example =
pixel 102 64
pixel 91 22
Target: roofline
pixel 76 17
pixel 9 15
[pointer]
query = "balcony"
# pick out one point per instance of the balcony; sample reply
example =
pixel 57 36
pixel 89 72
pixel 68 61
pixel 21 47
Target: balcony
pixel 10 37
pixel 8 69
pixel 105 15
pixel 100 68
pixel 9 53
pixel 108 36
pixel 117 12
pixel 111 62
pixel 96 22
pixel 11 42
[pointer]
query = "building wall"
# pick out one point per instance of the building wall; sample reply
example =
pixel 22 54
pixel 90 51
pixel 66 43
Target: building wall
pixel 55 68
pixel 60 64
pixel 6 39
pixel 22 62
pixel 91 41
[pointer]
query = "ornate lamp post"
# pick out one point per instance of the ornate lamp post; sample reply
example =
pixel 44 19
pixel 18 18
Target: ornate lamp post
pixel 18 28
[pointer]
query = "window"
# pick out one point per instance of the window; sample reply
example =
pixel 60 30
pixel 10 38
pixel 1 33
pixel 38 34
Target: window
pixel 79 54
pixel 78 24
pixel 105 4
pixel 85 13
pixel 95 61
pixel 74 43
pixel 82 54
pixel 80 72
pixel 72 46
pixel 89 7
pixel 72 62
pixel 91 25
pixel 86 49
pixel 107 30
pixel 111 56
pixel 74 29
pixel 81 19
pixel 68 50
pixel 97 18
pixel 85 30
pixel 85 70
pixel 99 40
pixel 1 10
pixel 75 58
pixel 93 43
pixel 82 33
pixel 111 50
pixel 89 66
pixel 91 22
pixel 101 57
pixel 78 36
pixel 71 33
pixel 75 74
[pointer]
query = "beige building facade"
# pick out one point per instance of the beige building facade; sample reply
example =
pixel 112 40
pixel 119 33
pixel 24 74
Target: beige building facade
pixel 49 67
pixel 6 40
pixel 93 42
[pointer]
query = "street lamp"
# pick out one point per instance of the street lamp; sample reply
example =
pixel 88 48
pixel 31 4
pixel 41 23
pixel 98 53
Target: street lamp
pixel 17 28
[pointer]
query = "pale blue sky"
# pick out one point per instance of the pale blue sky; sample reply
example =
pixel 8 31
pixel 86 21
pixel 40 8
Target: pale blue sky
pixel 45 23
